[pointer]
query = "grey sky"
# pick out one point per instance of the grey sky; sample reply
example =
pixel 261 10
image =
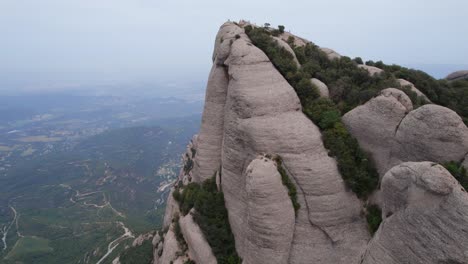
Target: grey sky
pixel 58 44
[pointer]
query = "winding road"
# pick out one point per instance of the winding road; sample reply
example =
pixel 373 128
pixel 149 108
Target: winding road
pixel 115 243
pixel 6 229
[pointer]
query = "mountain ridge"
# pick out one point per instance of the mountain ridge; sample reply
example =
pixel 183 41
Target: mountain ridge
pixel 372 141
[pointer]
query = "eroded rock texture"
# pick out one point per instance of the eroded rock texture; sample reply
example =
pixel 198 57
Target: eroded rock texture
pixel 286 46
pixel 458 75
pixel 331 54
pixel 425 215
pixel 172 208
pixel 371 69
pixel 413 88
pixel 431 133
pixel 171 247
pixel 263 115
pixel 270 215
pixel 374 124
pixel 199 249
pixel 386 128
pixel 252 111
pixel 322 88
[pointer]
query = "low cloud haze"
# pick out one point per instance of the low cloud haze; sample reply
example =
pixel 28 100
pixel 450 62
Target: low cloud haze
pixel 165 46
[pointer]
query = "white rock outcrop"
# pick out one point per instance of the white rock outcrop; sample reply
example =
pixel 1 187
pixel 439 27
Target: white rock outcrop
pixel 298 41
pixel 262 115
pixel 374 124
pixel 199 249
pixel 171 247
pixel 431 133
pixel 371 69
pixel 425 214
pixel 172 208
pixel 286 46
pixel 413 88
pixel 270 214
pixel 322 88
pixel 385 129
pixel 331 54
pixel 252 114
pixel 458 75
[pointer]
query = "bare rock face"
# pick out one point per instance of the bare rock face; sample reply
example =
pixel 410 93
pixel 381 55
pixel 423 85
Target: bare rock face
pixel 297 40
pixel 413 88
pixel 141 238
pixel 262 115
pixel 400 96
pixel 156 240
pixel 465 162
pixel 431 133
pixel 425 214
pixel 331 54
pixel 270 214
pixel 385 129
pixel 286 46
pixel 172 208
pixel 458 75
pixel 374 124
pixel 322 88
pixel 371 69
pixel 211 131
pixel 199 249
pixel 171 247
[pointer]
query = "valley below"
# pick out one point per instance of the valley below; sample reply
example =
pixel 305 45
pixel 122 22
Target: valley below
pixel 81 192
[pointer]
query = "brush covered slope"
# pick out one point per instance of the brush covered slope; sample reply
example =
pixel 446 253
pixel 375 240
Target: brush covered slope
pixel 307 156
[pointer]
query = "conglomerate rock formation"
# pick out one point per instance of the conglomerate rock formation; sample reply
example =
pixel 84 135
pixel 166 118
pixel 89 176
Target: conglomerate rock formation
pixel 425 214
pixel 252 114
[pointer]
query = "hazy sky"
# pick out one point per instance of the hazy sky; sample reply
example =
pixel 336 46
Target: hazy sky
pixel 64 44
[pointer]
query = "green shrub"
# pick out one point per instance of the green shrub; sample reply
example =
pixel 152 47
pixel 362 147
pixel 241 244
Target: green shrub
pixel 292 191
pixel 281 29
pixel 142 254
pixel 212 217
pixel 284 62
pixel 374 218
pixel 453 95
pixel 188 166
pixel 459 172
pixel 349 86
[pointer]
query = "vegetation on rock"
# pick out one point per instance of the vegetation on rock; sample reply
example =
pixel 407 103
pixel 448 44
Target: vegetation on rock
pixel 355 166
pixel 453 95
pixel 374 217
pixel 458 171
pixel 211 215
pixel 292 191
pixel 142 254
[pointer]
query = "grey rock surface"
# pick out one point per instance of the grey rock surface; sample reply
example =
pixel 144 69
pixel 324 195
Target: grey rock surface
pixel 387 129
pixel 298 41
pixel 262 115
pixel 208 157
pixel 425 214
pixel 199 249
pixel 331 54
pixel 171 247
pixel 286 46
pixel 413 88
pixel 431 133
pixel 374 124
pixel 270 214
pixel 172 208
pixel 465 162
pixel 371 69
pixel 322 88
pixel 458 75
